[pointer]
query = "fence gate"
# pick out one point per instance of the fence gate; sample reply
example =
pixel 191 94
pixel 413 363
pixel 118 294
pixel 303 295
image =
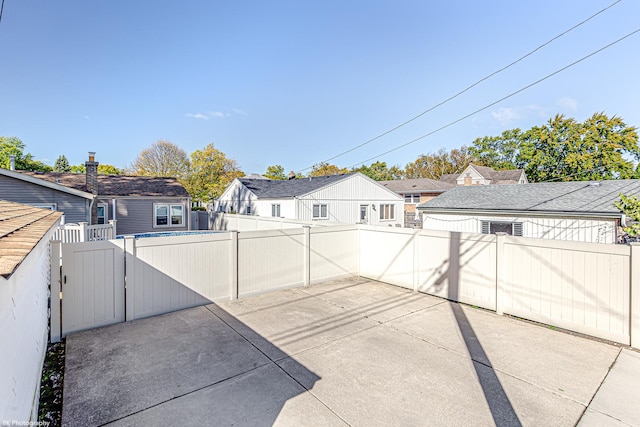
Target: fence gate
pixel 92 279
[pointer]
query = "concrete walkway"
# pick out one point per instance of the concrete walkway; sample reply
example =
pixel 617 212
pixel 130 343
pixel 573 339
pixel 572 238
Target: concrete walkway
pixel 349 352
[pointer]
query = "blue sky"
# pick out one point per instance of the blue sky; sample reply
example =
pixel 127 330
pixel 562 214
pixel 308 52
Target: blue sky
pixel 298 82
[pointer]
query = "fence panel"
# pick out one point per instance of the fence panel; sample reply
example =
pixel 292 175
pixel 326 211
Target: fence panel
pixel 270 260
pixel 172 273
pixel 583 287
pixel 387 255
pixel 458 266
pixel 333 252
pixel 92 285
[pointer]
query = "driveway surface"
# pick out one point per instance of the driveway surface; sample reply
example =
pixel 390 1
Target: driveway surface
pixel 346 352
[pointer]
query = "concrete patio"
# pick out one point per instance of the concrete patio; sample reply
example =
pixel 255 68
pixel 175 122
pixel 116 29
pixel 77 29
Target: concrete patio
pixel 347 352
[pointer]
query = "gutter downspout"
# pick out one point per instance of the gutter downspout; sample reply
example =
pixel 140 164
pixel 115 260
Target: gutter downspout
pixel 93 201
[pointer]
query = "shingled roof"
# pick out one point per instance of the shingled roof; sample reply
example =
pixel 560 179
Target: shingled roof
pixel 117 185
pixel 277 189
pixel 21 228
pixel 417 185
pixel 580 197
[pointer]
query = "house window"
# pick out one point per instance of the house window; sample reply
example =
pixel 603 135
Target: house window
pixel 387 211
pixel 493 227
pixel 320 212
pixel 168 215
pixel 102 213
pixel 275 210
pixel 412 198
pixel 247 211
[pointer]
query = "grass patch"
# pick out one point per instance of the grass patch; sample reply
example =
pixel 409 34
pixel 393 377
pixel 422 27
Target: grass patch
pixel 50 409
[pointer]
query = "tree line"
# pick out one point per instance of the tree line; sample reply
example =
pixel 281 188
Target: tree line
pixel 562 149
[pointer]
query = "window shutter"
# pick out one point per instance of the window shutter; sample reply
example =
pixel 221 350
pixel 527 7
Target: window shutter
pixel 485 227
pixel 517 229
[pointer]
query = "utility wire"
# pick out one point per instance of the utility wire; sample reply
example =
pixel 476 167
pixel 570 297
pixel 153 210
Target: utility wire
pixel 498 101
pixel 1 9
pixel 469 87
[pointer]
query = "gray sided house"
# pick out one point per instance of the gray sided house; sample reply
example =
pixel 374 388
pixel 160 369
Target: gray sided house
pixel 578 211
pixel 138 204
pixel 416 191
pixel 347 198
pixel 483 175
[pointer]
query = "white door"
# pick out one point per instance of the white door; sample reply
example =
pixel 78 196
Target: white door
pixel 92 284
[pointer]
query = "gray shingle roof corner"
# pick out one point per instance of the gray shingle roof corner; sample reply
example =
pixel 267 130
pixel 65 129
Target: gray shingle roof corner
pixel 417 185
pixel 117 185
pixel 277 189
pixel 580 197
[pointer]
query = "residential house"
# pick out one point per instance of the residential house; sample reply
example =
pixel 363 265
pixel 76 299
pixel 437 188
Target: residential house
pixel 346 198
pixel 139 204
pixel 416 191
pixel 25 232
pixel 483 175
pixel 578 211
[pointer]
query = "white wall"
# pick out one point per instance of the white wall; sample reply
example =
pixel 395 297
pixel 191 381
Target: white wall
pixel 263 207
pixel 235 198
pixel 24 300
pixel 345 197
pixel 541 227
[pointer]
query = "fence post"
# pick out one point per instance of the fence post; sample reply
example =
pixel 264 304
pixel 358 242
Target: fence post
pixel 500 273
pixel 234 282
pixel 112 222
pixel 130 257
pixel 634 295
pixel 55 319
pixel 83 231
pixel 307 256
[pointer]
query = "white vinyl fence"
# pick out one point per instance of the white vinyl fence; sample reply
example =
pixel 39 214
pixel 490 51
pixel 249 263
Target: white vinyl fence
pixel 225 221
pixel 584 287
pixel 164 274
pixel 83 232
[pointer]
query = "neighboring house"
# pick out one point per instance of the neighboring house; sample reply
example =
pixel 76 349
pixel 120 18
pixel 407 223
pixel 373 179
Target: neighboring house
pixel 416 191
pixel 347 198
pixel 25 232
pixel 139 204
pixel 579 211
pixel 483 175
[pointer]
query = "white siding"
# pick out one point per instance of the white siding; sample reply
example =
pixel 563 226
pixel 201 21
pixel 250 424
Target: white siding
pixel 263 207
pixel 235 199
pixel 24 302
pixel 345 197
pixel 591 230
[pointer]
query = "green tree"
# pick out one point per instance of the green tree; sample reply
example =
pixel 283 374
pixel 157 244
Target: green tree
pixel 62 164
pixel 437 164
pixel 23 161
pixel 209 174
pixel 379 171
pixel 323 169
pixel 102 169
pixel 565 150
pixel 162 158
pixel 275 172
pixel 630 206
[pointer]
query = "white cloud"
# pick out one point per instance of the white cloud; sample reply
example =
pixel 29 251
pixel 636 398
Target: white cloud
pixel 214 114
pixel 239 111
pixel 508 116
pixel 568 104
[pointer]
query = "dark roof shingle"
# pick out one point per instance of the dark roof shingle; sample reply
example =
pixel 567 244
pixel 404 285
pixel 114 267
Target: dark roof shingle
pixel 117 185
pixel 570 197
pixel 277 189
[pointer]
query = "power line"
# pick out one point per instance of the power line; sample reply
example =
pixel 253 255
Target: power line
pixel 467 88
pixel 1 9
pixel 498 101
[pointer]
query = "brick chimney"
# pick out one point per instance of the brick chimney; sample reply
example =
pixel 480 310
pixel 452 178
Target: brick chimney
pixel 467 179
pixel 92 173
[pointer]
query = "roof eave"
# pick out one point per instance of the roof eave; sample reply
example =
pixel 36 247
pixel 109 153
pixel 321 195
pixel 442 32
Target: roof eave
pixel 45 183
pixel 515 212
